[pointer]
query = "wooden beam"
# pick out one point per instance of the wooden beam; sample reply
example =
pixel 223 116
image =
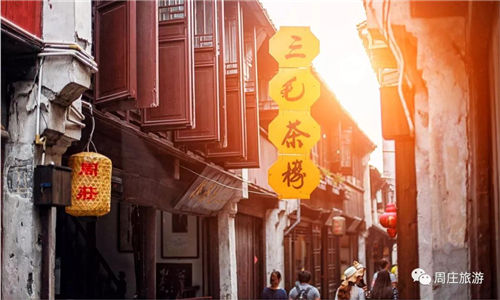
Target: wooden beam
pixel 406 197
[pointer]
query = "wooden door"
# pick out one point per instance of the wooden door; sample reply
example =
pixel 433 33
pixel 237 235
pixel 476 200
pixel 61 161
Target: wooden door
pixel 209 80
pixel 330 267
pixel 249 256
pixel 211 258
pixel 316 257
pixel 176 68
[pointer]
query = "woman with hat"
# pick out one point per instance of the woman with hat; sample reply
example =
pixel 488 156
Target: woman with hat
pixel 360 269
pixel 348 290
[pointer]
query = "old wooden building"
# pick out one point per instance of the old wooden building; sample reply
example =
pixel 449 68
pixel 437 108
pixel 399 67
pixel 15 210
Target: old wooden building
pixel 179 102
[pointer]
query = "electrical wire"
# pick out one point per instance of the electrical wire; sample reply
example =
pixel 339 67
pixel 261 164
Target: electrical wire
pixel 91 135
pixel 225 185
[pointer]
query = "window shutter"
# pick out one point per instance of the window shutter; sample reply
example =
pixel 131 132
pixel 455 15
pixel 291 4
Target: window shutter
pixel 208 89
pixel 176 64
pixel 252 107
pixel 116 81
pixel 346 151
pixel 147 54
pixel 252 159
pixel 235 100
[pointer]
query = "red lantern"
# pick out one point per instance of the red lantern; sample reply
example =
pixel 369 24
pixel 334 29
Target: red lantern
pixel 389 219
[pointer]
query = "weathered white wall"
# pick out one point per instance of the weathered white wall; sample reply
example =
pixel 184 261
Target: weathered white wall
pixel 64 80
pixel 389 172
pixel 276 222
pixel 227 251
pixel 441 149
pixel 22 251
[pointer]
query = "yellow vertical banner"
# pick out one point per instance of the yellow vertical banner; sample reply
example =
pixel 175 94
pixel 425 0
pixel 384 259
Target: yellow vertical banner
pixel 294 132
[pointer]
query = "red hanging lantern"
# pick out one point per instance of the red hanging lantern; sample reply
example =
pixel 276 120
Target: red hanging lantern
pixel 389 219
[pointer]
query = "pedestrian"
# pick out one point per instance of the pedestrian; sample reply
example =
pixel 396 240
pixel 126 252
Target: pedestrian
pixel 384 265
pixel 360 275
pixel 348 289
pixel 302 289
pixel 383 288
pixel 274 291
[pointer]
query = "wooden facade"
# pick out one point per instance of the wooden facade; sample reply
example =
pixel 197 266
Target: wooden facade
pixel 200 94
pixel 25 14
pixel 313 247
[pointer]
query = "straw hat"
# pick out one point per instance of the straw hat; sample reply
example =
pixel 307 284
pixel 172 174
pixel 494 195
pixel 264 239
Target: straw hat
pixel 350 273
pixel 360 269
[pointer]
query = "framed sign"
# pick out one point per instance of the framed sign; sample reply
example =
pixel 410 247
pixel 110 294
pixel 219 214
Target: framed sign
pixel 179 236
pixel 172 280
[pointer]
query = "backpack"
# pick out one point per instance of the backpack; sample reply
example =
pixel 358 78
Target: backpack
pixel 301 294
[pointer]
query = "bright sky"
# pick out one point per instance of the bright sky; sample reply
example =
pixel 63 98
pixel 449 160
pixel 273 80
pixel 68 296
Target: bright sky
pixel 342 62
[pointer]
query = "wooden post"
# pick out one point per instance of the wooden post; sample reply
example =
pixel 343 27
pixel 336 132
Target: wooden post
pixel 406 198
pixel 149 217
pixel 48 223
pixel 144 221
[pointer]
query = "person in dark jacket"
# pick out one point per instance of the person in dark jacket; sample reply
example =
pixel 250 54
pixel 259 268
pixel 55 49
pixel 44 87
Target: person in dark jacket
pixel 274 291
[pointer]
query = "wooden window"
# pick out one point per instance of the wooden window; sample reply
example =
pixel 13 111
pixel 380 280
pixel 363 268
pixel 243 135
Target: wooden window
pixel 116 81
pixel 171 10
pixel 252 105
pixel 204 28
pixel 128 62
pixel 232 43
pixel 209 91
pixel 235 112
pixel 147 54
pixel 176 68
pixel 249 63
pixel 346 151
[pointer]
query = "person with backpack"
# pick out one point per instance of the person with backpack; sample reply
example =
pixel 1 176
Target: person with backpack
pixel 303 290
pixel 274 291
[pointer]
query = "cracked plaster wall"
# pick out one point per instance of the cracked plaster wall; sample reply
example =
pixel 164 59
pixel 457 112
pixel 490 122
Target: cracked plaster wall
pixel 64 80
pixel 441 143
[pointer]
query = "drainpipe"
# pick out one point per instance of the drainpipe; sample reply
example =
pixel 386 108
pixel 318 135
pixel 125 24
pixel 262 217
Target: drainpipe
pixel 38 140
pixel 291 227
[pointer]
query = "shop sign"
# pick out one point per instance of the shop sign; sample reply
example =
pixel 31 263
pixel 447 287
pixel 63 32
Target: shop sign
pixel 294 47
pixel 293 176
pixel 294 132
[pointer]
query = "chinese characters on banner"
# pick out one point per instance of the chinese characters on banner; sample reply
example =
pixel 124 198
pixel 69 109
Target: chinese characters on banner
pixel 294 132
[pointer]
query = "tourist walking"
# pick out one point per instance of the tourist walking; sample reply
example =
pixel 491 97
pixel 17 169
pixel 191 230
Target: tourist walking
pixel 383 288
pixel 302 289
pixel 274 291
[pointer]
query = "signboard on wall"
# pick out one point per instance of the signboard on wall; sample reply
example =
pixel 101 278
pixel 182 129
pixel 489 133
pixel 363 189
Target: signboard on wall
pixel 294 132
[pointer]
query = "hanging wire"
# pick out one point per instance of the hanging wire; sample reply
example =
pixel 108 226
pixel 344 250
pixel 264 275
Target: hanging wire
pixel 91 135
pixel 225 185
